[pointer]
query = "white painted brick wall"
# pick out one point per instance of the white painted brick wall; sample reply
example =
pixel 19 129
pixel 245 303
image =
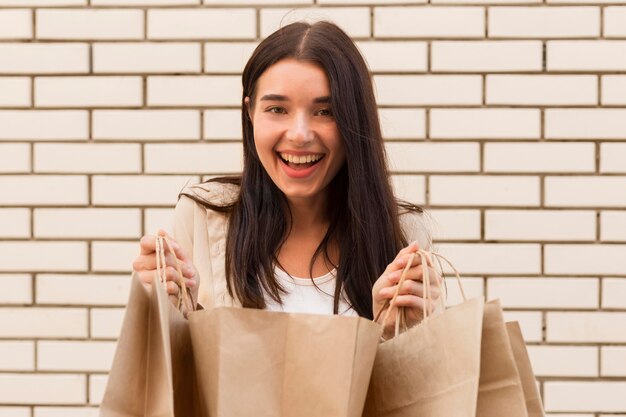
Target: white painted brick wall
pixel 15 91
pixel 544 22
pixel 88 91
pixel 506 119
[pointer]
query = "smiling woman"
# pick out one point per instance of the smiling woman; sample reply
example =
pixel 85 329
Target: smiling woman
pixel 312 224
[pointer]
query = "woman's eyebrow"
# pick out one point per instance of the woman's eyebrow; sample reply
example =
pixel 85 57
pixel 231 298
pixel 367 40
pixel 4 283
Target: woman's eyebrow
pixel 278 97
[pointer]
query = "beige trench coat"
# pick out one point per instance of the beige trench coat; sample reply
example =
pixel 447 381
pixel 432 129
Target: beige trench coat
pixel 202 233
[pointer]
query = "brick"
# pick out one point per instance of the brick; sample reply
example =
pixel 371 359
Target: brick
pixel 542 90
pixel 138 190
pixel 43 124
pixel 614 21
pixel 222 124
pixel 84 24
pixel 485 1
pixel 15 91
pixel 174 57
pixel 613 361
pixel 146 124
pixel 227 56
pixel 155 219
pixel 88 91
pixel 215 158
pixel 355 21
pixel 544 22
pixel 594 396
pixel 613 89
pixel 484 190
pixel 97 385
pixel 564 361
pixel 114 256
pixel 402 123
pixel 424 90
pixel 210 90
pixel 613 226
pixel 583 327
pixel 17 289
pixel 196 23
pixel 472 287
pixel 493 258
pixel 83 289
pixel 589 259
pixel 16 24
pixel 14 411
pixel 545 293
pixel 143 2
pixel 433 157
pixel 44 323
pixel 14 222
pixel 586 55
pixel 43 189
pixel 50 389
pixel 87 223
pixel 539 157
pixel 88 158
pixel 43 256
pixel 397 56
pixel 485 124
pixel 612 158
pixel 530 323
pixel 66 412
pixel 614 293
pixel 585 123
pixel 14 158
pixel 451 224
pixel 429 22
pixel 23 3
pixel 44 58
pixel 75 356
pixel 585 191
pixel 540 225
pixel 106 323
pixel 17 356
pixel 411 188
pixel 486 56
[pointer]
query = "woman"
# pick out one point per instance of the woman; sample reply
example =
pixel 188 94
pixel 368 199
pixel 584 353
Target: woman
pixel 314 203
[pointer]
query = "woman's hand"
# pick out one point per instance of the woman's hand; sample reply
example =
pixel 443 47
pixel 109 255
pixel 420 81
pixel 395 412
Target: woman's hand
pixel 411 294
pixel 145 266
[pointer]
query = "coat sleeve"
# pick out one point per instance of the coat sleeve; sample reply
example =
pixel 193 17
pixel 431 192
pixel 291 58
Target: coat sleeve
pixel 417 227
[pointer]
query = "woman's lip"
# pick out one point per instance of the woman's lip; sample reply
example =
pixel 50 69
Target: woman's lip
pixel 300 153
pixel 298 173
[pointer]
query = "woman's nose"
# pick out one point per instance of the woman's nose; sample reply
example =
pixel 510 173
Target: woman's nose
pixel 300 130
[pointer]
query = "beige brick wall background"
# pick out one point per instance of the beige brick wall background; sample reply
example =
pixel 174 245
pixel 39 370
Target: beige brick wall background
pixel 505 118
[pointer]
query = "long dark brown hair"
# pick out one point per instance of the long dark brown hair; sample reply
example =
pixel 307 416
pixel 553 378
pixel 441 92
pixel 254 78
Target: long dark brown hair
pixel 364 215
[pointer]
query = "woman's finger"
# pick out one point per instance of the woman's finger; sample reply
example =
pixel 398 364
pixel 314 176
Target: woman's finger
pixel 414 302
pixel 409 288
pixel 416 273
pixel 178 250
pixel 147 243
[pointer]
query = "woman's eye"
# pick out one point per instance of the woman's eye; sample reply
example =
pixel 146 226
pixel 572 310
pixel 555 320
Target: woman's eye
pixel 326 112
pixel 276 110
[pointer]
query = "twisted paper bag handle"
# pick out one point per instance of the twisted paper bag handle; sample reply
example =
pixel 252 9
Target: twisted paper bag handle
pixel 401 316
pixel 185 302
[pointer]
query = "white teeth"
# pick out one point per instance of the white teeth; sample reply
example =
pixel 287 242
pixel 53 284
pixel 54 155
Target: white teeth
pixel 295 159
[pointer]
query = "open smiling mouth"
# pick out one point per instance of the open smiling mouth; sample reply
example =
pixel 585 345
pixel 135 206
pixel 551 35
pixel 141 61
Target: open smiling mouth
pixel 300 162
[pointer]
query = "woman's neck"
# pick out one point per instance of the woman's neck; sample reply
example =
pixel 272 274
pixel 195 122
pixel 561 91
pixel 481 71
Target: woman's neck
pixel 309 215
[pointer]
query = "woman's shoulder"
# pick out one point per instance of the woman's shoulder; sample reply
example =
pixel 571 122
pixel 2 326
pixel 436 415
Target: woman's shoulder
pixel 211 193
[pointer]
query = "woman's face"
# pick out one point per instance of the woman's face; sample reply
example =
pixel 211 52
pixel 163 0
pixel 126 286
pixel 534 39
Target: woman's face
pixel 295 132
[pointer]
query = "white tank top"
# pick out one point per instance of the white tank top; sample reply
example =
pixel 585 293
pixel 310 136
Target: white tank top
pixel 304 297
